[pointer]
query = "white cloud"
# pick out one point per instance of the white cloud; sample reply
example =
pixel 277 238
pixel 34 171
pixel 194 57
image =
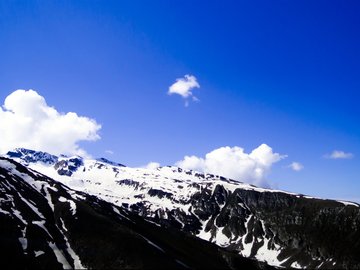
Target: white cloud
pixel 152 165
pixel 336 154
pixel 110 152
pixel 296 166
pixel 184 87
pixel 27 121
pixel 234 163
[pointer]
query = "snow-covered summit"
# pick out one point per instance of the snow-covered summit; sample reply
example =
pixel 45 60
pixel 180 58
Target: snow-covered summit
pixel 110 180
pixel 106 175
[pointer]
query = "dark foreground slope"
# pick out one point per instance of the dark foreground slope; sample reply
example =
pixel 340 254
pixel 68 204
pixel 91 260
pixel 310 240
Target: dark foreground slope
pixel 45 225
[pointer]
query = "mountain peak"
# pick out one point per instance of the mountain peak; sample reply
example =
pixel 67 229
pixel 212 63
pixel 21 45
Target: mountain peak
pixel 104 160
pixel 32 156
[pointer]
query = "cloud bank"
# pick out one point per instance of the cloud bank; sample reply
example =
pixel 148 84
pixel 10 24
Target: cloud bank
pixel 234 163
pixel 336 154
pixel 27 121
pixel 184 87
pixel 296 166
pixel 152 165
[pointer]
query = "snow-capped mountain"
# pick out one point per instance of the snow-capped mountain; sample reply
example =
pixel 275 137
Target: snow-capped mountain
pixel 283 229
pixel 46 225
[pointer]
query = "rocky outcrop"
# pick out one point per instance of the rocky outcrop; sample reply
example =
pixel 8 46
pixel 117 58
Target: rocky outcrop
pixel 301 232
pixel 308 232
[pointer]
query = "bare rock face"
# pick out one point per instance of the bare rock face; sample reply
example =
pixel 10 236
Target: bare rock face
pixel 68 166
pixel 312 233
pixel 309 231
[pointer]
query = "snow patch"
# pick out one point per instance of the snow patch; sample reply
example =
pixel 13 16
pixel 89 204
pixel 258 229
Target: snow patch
pixel 72 204
pixel 221 239
pixel 296 265
pixel 75 257
pixel 38 253
pixel 4 212
pixel 154 245
pixel 63 225
pixel 48 197
pixel 268 255
pixel 19 216
pixel 349 203
pixel 41 224
pixel 23 242
pixel 7 165
pixel 33 208
pixel 60 256
pixel 246 251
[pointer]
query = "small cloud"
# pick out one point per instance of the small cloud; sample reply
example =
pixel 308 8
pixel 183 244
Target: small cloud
pixel 110 152
pixel 296 166
pixel 184 87
pixel 152 165
pixel 28 121
pixel 235 163
pixel 336 154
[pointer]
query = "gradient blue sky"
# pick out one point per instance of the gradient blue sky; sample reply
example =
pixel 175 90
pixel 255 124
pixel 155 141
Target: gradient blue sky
pixel 284 73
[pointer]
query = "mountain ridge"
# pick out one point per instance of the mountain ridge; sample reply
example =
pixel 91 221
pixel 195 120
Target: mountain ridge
pixel 281 228
pixel 45 225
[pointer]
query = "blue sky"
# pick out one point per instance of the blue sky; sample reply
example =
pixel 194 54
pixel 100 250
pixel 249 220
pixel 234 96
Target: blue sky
pixel 283 73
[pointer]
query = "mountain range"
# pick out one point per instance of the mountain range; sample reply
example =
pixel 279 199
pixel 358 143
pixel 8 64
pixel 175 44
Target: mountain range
pixel 69 212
